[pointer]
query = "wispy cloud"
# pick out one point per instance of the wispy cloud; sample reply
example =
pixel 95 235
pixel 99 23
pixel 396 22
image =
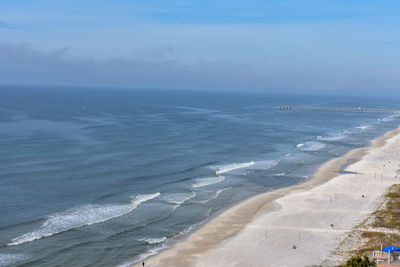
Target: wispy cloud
pixel 5 25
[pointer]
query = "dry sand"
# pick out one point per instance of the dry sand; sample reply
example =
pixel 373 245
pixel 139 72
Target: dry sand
pixel 262 230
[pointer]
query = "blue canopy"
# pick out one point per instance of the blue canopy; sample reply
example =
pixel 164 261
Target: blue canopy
pixel 390 249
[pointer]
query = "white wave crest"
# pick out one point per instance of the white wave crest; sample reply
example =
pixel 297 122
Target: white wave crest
pixel 231 167
pixel 387 119
pixel 279 174
pixel 81 216
pixel 299 145
pixel 144 256
pixel 12 259
pixel 243 168
pixel 153 241
pixel 333 138
pixel 363 127
pixel 212 196
pixel 208 181
pixel 264 164
pixel 312 146
pixel 178 198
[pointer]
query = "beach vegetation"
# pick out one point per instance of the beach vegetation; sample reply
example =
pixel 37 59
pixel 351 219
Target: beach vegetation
pixel 382 228
pixel 358 261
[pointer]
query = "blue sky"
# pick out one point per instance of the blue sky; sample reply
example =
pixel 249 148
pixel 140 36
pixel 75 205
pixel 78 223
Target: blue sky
pixel 310 45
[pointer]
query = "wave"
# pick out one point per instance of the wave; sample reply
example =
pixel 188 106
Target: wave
pixel 280 174
pixel 242 168
pixel 144 256
pixel 363 127
pixel 163 245
pixel 264 164
pixel 299 145
pixel 81 216
pixel 231 167
pixel 312 146
pixel 214 196
pixel 208 181
pixel 333 138
pixel 218 192
pixel 178 198
pixel 387 119
pixel 12 259
pixel 153 241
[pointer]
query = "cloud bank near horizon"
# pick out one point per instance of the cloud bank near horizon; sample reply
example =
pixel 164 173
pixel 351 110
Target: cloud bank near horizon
pixel 22 64
pixel 285 45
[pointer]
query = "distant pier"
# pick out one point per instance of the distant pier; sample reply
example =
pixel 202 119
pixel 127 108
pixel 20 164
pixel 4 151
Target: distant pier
pixel 337 109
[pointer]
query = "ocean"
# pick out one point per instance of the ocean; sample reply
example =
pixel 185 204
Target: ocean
pixel 104 177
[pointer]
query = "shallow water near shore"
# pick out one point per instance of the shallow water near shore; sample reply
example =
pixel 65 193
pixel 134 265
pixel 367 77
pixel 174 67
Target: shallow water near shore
pixel 99 177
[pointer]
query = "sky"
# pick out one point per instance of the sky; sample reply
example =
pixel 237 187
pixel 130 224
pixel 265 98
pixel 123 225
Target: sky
pixel 261 45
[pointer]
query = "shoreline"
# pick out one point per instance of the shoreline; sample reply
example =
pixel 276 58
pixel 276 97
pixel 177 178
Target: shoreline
pixel 228 224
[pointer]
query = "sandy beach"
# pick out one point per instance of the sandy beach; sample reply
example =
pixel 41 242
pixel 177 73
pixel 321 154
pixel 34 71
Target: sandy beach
pixel 299 225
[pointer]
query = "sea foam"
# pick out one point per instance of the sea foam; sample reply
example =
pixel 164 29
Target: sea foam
pixel 333 138
pixel 81 216
pixel 178 198
pixel 243 168
pixel 232 167
pixel 153 241
pixel 312 146
pixel 208 181
pixel 12 259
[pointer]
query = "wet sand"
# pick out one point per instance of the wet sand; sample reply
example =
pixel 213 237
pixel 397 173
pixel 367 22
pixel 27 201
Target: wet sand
pixel 298 225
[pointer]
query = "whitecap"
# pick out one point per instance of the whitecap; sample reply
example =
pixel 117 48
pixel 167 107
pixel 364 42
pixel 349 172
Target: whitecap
pixel 153 241
pixel 12 259
pixel 208 181
pixel 178 198
pixel 363 127
pixel 263 164
pixel 243 168
pixel 299 145
pixel 145 255
pixel 387 119
pixel 231 167
pixel 279 174
pixel 214 196
pixel 333 138
pixel 312 146
pixel 81 216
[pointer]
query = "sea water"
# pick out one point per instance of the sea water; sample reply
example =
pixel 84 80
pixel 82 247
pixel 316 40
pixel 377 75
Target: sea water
pixel 102 177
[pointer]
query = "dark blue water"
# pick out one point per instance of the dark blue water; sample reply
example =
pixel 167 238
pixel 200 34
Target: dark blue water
pixel 98 177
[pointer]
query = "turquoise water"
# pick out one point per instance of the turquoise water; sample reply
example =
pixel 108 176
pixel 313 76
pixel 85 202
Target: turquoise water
pixel 100 177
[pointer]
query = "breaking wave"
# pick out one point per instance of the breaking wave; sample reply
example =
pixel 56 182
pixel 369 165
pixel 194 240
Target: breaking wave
pixel 178 198
pixel 12 259
pixel 312 146
pixel 81 216
pixel 208 181
pixel 333 138
pixel 243 168
pixel 232 167
pixel 153 241
pixel 362 127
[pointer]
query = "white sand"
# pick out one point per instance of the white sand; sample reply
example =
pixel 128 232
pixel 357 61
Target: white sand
pixel 262 230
